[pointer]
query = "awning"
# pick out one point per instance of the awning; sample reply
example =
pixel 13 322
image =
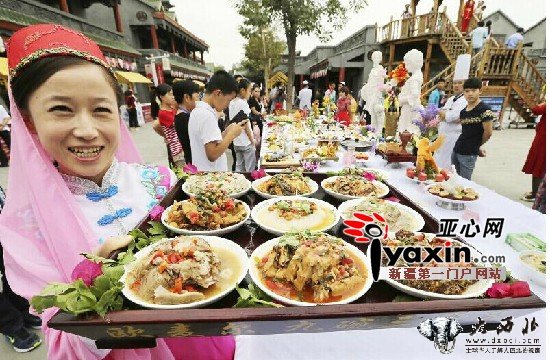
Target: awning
pixel 130 77
pixel 3 67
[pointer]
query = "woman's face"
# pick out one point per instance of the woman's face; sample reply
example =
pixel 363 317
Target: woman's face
pixel 341 94
pixel 245 93
pixel 77 125
pixel 168 99
pixel 256 93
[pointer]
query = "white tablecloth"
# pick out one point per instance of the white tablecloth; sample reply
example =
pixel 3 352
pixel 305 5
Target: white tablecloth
pixel 407 343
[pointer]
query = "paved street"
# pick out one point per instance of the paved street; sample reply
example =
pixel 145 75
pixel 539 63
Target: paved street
pixel 500 171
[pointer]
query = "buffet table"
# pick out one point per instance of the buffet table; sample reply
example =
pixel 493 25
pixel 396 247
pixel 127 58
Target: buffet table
pixel 407 342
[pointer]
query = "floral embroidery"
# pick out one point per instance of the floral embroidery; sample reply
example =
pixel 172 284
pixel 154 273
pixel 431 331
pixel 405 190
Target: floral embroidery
pixel 79 186
pixel 96 196
pixel 108 219
pixel 153 180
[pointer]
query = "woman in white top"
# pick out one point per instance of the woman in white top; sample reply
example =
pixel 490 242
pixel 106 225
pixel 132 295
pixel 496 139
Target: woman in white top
pixel 244 144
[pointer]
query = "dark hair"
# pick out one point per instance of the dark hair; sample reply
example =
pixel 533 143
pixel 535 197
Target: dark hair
pixel 441 80
pixel 128 92
pixel 186 87
pixel 472 83
pixel 221 80
pixel 520 30
pixel 262 92
pixel 345 90
pixel 243 84
pixel 278 83
pixel 39 71
pixel 480 23
pixel 160 90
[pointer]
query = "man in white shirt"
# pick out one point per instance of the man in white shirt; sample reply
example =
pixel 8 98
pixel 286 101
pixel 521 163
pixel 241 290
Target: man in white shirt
pixel 514 39
pixel 208 143
pixel 478 36
pixel 305 96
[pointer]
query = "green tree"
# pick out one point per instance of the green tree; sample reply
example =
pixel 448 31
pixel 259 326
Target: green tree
pixel 263 51
pixel 296 17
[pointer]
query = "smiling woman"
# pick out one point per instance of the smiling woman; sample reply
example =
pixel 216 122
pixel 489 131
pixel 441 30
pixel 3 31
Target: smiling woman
pixel 76 185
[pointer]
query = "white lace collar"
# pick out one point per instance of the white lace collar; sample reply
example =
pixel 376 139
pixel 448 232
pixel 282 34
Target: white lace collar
pixel 80 186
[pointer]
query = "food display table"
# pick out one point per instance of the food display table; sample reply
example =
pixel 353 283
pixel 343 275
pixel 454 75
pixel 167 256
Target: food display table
pixel 375 310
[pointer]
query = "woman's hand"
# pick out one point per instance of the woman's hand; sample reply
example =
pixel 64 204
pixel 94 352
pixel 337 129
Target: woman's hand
pixel 112 244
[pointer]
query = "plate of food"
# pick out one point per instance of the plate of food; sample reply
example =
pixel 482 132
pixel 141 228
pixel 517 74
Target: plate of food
pixel 398 216
pixel 357 144
pixel 284 184
pixel 290 270
pixel 435 289
pixel 321 153
pixel 278 160
pixel 184 272
pixel 428 177
pixel 534 264
pixel 236 185
pixel 210 212
pixel 294 213
pixel 452 193
pixel 346 187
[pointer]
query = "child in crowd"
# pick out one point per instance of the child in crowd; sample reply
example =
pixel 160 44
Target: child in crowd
pixel 208 143
pixel 477 128
pixel 166 118
pixel 78 185
pixel 186 94
pixel 245 146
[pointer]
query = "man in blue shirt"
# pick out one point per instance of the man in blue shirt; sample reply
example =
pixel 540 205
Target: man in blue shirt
pixel 478 36
pixel 514 39
pixel 437 95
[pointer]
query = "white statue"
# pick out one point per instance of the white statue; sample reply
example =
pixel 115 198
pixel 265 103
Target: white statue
pixel 373 95
pixel 409 98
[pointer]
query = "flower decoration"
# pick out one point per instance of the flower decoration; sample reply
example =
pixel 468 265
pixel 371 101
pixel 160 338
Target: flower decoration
pixel 399 75
pixel 428 121
pixel 190 169
pixel 369 176
pixel 392 199
pixel 515 289
pixel 156 212
pixel 310 166
pixel 86 270
pixel 258 174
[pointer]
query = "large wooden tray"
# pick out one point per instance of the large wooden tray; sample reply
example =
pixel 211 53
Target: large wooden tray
pixel 375 310
pixel 397 158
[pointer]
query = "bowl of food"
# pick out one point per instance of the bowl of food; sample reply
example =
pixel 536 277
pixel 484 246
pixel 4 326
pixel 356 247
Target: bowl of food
pixel 207 213
pixel 294 213
pixel 534 265
pixel 435 289
pixel 234 184
pixel 346 187
pixel 397 216
pixel 290 270
pixel 452 193
pixel 358 145
pixel 284 184
pixel 184 272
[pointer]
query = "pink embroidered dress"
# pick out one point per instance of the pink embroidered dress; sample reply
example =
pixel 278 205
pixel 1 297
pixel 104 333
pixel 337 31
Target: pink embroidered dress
pixel 50 218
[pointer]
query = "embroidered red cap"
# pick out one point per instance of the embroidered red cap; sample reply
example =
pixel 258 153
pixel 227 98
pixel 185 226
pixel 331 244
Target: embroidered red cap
pixel 42 40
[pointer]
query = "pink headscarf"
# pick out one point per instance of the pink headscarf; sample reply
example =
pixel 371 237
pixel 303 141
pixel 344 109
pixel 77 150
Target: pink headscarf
pixel 43 231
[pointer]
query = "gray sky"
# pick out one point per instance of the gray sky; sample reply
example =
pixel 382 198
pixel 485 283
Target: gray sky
pixel 216 22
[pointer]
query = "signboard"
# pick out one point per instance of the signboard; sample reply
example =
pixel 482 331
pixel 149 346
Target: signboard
pixel 495 103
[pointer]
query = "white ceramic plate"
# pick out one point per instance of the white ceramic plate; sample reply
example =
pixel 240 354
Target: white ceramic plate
pixel 266 203
pixel 263 249
pixel 246 186
pixel 205 232
pixel 379 172
pixel 418 219
pixel 312 184
pixel 216 243
pixel 473 291
pixel 439 198
pixel 338 196
pixel 531 272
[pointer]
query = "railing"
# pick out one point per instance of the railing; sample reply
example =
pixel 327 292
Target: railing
pixel 174 57
pixel 528 79
pixel 411 27
pixel 448 74
pixel 497 62
pixel 452 43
